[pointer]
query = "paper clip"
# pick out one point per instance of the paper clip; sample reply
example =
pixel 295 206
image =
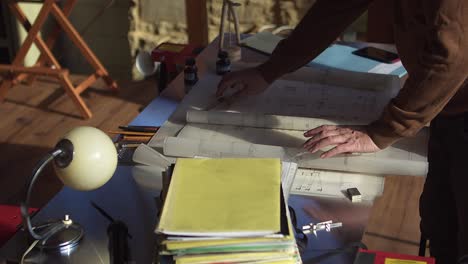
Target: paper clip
pixel 327 226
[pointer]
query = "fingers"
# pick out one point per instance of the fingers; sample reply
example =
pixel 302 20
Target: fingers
pixel 319 136
pixel 228 81
pixel 324 133
pixel 235 96
pixel 345 139
pixel 319 129
pixel 332 140
pixel 343 148
pixel 328 135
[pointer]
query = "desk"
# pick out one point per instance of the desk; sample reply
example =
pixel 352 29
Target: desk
pixel 133 200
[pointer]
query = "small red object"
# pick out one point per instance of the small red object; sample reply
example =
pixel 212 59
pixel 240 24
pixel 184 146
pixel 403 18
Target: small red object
pixel 377 257
pixel 173 54
pixel 10 220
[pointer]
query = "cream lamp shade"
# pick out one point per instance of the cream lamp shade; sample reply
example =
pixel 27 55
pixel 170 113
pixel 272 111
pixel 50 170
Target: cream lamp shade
pixel 89 159
pixel 85 159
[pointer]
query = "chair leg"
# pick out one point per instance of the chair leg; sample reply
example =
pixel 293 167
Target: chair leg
pixel 5 85
pixel 76 38
pixel 46 53
pixel 81 105
pixel 422 246
pixel 47 56
pixel 110 82
pixel 50 42
pixel 51 39
pixel 32 33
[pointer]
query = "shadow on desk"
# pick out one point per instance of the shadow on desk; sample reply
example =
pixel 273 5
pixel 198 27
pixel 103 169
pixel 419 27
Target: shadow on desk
pixel 16 164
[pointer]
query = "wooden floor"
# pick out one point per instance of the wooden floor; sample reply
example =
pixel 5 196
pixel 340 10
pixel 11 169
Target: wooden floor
pixel 33 119
pixel 394 222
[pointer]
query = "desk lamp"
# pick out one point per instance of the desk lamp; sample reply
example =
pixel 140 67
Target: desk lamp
pixel 84 159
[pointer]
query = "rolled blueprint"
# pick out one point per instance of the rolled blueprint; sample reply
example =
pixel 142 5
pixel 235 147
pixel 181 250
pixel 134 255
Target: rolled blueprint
pixel 365 163
pixel 260 120
pixel 189 148
pixel 151 157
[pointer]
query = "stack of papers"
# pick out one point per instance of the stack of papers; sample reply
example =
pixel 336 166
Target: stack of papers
pixel 227 211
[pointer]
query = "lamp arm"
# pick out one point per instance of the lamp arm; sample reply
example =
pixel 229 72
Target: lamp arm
pixel 25 205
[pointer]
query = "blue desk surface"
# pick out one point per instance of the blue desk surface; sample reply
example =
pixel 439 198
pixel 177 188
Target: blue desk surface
pixel 156 113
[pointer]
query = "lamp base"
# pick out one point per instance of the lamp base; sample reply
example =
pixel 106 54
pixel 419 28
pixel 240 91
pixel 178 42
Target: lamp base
pixel 59 235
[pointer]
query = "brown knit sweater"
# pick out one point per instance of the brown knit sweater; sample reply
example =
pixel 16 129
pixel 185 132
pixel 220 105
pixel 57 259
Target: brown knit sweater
pixel 432 40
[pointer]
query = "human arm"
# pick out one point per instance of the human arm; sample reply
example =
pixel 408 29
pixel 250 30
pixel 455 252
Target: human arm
pixel 322 24
pixel 440 69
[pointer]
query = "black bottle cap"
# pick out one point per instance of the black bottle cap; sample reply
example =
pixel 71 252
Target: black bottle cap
pixel 190 61
pixel 222 54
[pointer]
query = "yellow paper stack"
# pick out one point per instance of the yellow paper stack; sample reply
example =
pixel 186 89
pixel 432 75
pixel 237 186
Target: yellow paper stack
pixel 227 211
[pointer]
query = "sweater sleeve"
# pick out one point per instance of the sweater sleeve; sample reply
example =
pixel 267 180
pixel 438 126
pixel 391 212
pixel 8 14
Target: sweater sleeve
pixel 441 70
pixel 322 24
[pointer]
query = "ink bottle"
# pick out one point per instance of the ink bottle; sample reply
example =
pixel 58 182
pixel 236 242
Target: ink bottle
pixel 190 72
pixel 223 65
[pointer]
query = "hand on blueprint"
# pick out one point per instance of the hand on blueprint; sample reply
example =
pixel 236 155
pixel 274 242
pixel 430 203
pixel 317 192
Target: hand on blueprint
pixel 244 83
pixel 345 140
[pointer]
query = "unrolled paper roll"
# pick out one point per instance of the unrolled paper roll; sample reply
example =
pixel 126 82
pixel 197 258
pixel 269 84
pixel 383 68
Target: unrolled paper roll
pixel 258 120
pixel 365 163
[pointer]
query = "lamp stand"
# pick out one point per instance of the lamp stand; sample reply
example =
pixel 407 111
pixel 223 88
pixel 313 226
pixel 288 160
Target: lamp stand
pixel 61 234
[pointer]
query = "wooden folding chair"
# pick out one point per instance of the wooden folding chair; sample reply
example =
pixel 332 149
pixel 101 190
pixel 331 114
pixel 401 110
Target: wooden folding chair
pixel 47 64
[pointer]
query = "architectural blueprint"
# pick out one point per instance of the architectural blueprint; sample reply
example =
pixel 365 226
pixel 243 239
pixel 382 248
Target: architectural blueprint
pixel 268 130
pixel 200 143
pixel 261 120
pixel 331 85
pixel 334 183
pixel 294 98
pixel 272 124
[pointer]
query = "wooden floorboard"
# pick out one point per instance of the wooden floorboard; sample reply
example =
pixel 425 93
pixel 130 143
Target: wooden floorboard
pixel 394 222
pixel 33 118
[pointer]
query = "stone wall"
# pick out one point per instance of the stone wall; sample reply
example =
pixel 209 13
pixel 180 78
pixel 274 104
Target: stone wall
pixel 153 22
pixel 255 14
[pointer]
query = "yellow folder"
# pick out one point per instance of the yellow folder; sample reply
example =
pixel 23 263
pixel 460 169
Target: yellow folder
pixel 223 197
pixel 267 257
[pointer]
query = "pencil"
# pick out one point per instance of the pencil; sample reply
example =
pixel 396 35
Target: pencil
pixel 139 128
pixel 137 138
pixel 131 133
pixel 133 145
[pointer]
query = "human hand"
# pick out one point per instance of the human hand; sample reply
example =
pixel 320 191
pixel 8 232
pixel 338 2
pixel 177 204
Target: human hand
pixel 246 82
pixel 345 139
